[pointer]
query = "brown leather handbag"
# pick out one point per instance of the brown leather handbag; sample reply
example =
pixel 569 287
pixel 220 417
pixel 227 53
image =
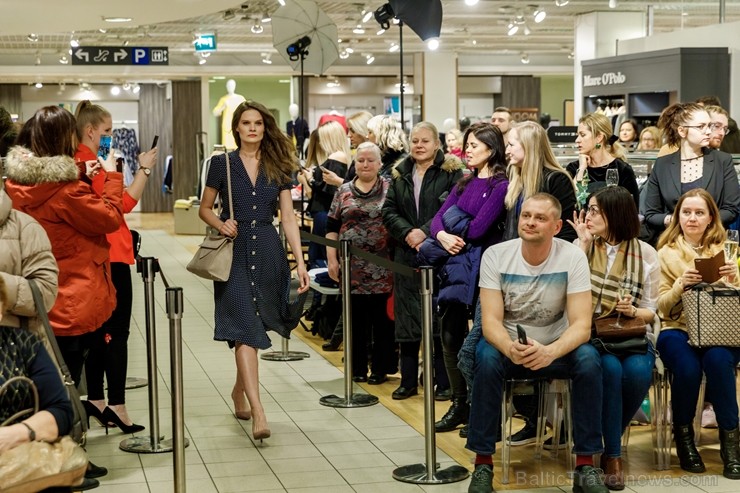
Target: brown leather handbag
pixel 605 329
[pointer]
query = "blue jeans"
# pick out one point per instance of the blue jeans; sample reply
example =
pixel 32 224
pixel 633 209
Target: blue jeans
pixel 491 368
pixel 626 382
pixel 687 364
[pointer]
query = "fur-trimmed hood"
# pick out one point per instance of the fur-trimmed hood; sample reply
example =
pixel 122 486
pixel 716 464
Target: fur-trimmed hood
pixel 25 168
pixel 35 180
pixel 446 162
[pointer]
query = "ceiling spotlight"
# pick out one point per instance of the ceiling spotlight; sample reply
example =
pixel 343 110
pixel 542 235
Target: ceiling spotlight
pixel 63 59
pixel 266 58
pixel 102 31
pixel 539 15
pixel 369 59
pixel 471 2
pixel 433 43
pixel 349 50
pixel 384 14
pixel 266 18
pixel 229 14
pixel 359 29
pixel 126 86
pixel 571 55
pixel 117 19
pixel 115 90
pixel 136 88
pixel 394 47
pixel 344 54
pixel 202 61
pixel 32 37
pixel 613 4
pixel 367 14
pixel 38 85
pixel 74 42
pixel 526 30
pixel 257 27
pixel 37 61
pixel 125 42
pixel 525 59
pixel 561 3
pixel 281 2
pixel 512 29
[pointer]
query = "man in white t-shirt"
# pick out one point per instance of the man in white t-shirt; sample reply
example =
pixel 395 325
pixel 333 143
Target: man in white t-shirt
pixel 543 284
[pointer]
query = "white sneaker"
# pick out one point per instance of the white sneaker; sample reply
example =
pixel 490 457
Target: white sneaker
pixel 708 418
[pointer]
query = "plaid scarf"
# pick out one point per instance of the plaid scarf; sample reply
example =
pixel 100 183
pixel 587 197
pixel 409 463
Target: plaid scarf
pixel 605 286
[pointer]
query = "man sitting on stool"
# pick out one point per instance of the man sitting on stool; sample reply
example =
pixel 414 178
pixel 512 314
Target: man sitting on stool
pixel 543 284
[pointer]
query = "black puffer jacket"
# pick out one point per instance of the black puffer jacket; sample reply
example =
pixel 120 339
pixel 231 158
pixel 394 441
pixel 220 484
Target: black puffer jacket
pixel 400 217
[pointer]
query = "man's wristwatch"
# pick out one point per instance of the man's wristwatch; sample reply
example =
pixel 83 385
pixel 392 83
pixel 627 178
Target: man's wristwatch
pixel 31 433
pixel 147 171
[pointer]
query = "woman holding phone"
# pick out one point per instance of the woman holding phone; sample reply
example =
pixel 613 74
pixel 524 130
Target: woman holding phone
pixel 109 347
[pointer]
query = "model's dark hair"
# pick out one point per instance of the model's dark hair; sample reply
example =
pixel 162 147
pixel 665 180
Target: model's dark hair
pixel 619 211
pixel 491 136
pixel 51 131
pixel 8 132
pixel 88 113
pixel 674 116
pixel 276 153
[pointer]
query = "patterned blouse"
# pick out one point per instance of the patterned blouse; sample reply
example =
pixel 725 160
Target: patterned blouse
pixel 357 217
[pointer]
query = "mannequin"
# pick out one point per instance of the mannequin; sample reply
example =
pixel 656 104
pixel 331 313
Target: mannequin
pixel 297 129
pixel 225 109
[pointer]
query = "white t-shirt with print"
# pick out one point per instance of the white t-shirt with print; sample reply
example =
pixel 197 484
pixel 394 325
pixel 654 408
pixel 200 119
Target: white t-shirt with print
pixel 535 295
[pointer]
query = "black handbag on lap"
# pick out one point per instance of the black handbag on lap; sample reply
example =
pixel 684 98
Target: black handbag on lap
pixel 624 347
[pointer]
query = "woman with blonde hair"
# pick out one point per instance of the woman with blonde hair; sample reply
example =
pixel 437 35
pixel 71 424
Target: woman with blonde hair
pixel 650 139
pixel 695 230
pixel 600 154
pixel 533 168
pixel 388 134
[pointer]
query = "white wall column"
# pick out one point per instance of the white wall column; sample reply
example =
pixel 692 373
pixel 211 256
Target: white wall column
pixel 437 75
pixel 596 36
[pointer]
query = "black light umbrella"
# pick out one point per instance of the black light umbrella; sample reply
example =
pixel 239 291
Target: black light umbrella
pixel 424 17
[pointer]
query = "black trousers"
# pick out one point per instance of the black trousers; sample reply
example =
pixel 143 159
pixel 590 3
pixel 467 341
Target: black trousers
pixel 371 327
pixel 109 346
pixel 453 326
pixel 410 364
pixel 75 350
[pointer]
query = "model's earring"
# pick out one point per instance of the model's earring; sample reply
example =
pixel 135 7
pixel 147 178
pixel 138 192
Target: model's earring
pixel 597 146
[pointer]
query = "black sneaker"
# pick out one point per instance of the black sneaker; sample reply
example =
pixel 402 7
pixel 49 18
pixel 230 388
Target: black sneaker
pixel 548 443
pixel 526 435
pixel 481 481
pixel 587 479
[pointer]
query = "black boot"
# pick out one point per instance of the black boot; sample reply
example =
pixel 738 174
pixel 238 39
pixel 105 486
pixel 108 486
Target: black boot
pixel 729 450
pixel 688 456
pixel 455 416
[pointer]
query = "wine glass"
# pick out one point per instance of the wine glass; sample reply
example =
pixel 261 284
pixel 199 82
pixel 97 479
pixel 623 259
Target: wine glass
pixel 731 245
pixel 612 177
pixel 625 288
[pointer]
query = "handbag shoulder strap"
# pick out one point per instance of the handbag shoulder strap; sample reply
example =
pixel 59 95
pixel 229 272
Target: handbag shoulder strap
pixel 44 317
pixel 24 412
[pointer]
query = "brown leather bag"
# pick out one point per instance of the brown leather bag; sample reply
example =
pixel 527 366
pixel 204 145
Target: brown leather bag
pixel 631 327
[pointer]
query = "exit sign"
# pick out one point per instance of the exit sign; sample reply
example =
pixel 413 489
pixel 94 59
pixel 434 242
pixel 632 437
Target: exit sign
pixel 205 42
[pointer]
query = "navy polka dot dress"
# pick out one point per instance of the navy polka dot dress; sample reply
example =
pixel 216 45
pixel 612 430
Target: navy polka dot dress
pixel 256 298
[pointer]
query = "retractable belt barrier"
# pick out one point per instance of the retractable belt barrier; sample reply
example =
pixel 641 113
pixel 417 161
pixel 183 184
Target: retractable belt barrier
pixel 155 443
pixel 425 473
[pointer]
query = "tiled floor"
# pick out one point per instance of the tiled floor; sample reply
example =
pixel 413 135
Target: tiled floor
pixel 312 449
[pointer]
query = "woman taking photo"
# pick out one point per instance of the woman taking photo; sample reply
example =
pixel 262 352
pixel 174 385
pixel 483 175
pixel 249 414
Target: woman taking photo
pixel 419 187
pixel 255 299
pixel 600 158
pixel 355 215
pixel 688 126
pixel 533 169
pixel 480 196
pixel 607 232
pixel 695 230
pixel 109 348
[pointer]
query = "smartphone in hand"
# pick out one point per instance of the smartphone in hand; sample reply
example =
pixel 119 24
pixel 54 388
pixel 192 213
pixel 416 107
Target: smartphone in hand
pixel 521 334
pixel 104 147
pixel 154 142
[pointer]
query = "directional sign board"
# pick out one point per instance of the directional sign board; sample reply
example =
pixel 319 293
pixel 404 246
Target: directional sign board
pixel 119 55
pixel 205 42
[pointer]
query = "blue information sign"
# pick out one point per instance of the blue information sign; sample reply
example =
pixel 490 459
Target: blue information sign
pixel 205 42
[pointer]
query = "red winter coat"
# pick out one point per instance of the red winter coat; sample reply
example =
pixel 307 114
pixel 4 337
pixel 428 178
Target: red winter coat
pixel 76 221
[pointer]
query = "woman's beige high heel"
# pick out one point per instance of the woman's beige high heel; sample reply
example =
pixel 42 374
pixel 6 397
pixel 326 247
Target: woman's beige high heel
pixel 245 415
pixel 262 432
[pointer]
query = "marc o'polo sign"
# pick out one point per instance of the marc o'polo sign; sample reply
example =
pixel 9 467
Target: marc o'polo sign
pixel 120 55
pixel 606 79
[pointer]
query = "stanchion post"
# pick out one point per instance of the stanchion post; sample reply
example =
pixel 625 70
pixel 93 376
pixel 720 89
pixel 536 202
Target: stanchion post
pixel 149 266
pixel 428 473
pixel 349 399
pixel 179 442
pixel 285 354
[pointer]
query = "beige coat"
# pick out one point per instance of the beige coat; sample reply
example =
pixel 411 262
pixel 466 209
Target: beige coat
pixel 26 254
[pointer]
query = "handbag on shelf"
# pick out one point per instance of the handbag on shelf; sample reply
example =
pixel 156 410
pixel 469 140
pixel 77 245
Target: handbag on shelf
pixel 712 315
pixel 79 421
pixel 214 256
pixel 35 466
